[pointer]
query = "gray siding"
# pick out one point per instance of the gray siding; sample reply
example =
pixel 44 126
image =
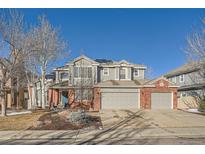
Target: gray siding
pixel 189 79
pixel 141 74
pixel 129 71
pixel 97 71
pixel 110 76
pixel 82 62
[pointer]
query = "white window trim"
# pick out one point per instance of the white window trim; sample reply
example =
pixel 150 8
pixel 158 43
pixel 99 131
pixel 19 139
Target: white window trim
pixel 126 73
pixel 180 76
pixel 137 72
pixel 175 79
pixel 108 70
pixel 116 70
pixel 62 73
pixel 78 72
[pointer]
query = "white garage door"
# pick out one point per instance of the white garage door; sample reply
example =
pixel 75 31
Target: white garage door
pixel 119 100
pixel 161 100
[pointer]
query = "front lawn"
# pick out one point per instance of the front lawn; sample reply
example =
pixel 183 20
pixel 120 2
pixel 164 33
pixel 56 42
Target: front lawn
pixel 20 122
pixel 42 120
pixel 63 120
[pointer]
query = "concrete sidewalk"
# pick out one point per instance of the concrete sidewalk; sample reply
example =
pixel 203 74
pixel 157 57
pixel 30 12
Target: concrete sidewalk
pixel 106 136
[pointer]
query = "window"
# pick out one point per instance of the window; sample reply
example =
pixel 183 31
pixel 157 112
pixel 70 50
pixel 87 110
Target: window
pixel 26 96
pixel 181 78
pixel 76 72
pixel 172 79
pixel 122 73
pixel 105 71
pixel 63 75
pixel 136 72
pixel 83 94
pixel 83 72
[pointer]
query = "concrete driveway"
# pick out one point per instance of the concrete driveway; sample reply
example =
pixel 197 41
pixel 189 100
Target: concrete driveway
pixel 123 127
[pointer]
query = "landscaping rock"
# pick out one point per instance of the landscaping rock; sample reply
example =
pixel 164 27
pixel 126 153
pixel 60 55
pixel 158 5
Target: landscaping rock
pixel 39 123
pixel 80 117
pixel 64 114
pixel 47 122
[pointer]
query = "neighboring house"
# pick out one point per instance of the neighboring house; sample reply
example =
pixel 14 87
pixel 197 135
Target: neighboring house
pixel 36 89
pixel 106 84
pixel 15 99
pixel 190 78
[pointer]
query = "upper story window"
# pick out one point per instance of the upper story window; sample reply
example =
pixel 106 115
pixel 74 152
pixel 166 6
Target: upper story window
pixel 173 79
pixel 181 78
pixel 105 71
pixel 83 72
pixel 64 75
pixel 122 73
pixel 136 72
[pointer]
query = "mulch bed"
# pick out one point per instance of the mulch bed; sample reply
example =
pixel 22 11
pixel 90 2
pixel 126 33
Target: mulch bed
pixel 55 121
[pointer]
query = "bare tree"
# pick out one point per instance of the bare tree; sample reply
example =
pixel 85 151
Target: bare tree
pixel 149 73
pixel 12 40
pixel 195 53
pixel 48 47
pixel 83 84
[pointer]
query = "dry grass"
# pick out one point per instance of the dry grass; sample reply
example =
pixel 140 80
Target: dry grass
pixel 20 122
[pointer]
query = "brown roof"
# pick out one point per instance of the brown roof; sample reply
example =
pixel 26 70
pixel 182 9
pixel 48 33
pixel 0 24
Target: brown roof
pixel 151 82
pixel 121 83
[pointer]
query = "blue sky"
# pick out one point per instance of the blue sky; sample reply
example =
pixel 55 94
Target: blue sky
pixel 153 37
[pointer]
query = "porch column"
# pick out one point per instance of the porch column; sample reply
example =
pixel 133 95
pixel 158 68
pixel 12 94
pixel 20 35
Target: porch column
pixel 71 96
pixel 55 97
pixel 50 97
pixel 8 100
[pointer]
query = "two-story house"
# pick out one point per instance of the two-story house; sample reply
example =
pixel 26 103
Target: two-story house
pixel 106 84
pixel 190 78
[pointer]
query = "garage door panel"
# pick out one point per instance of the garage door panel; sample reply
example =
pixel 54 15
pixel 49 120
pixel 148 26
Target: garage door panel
pixel 161 100
pixel 119 100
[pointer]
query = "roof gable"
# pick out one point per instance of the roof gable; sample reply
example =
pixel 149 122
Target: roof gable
pixel 83 57
pixel 124 62
pixel 160 82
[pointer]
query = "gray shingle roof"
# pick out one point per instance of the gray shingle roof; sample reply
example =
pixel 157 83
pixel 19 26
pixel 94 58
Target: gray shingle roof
pixel 187 68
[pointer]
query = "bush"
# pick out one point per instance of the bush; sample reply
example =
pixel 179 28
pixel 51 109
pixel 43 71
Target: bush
pixel 202 105
pixel 79 117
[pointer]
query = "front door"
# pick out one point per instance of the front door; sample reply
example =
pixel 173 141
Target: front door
pixel 64 98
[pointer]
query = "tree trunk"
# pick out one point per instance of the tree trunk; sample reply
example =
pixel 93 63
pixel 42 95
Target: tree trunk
pixel 30 97
pixel 3 105
pixel 43 73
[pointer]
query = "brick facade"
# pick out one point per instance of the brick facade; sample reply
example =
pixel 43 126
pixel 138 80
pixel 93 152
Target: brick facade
pixel 93 105
pixel 53 97
pixel 161 86
pixel 145 93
